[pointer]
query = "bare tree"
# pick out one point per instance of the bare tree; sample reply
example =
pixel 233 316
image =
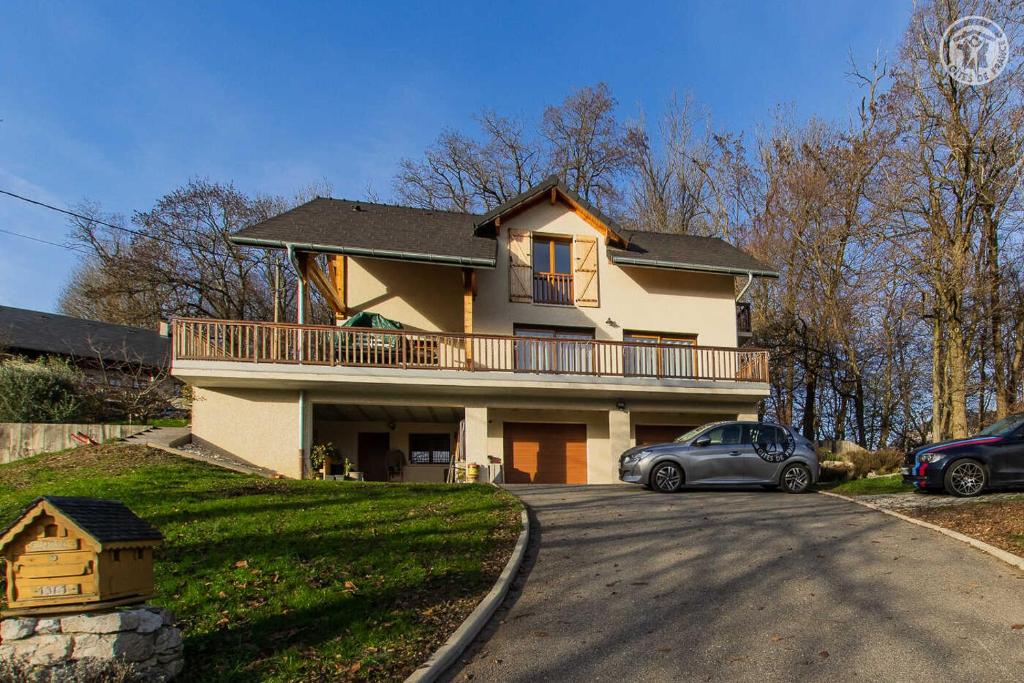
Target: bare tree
pixel 176 260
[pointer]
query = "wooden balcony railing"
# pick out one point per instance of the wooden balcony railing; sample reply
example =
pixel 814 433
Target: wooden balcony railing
pixel 259 342
pixel 553 288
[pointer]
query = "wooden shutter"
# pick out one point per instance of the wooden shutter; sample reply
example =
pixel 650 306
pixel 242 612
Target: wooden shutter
pixel 520 266
pixel 585 271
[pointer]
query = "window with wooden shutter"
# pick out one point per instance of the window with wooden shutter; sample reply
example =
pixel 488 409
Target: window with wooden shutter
pixel 520 266
pixel 585 283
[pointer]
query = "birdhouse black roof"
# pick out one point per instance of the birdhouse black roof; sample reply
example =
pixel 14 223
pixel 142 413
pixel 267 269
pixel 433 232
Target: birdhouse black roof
pixel 106 521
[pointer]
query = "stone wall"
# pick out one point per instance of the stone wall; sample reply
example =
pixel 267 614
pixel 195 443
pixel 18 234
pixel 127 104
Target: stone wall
pixel 142 639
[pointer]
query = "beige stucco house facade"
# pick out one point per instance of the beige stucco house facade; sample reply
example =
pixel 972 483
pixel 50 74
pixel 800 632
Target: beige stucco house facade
pixel 539 340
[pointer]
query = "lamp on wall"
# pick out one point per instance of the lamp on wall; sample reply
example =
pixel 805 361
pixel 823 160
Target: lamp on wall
pixel 611 323
pixel 620 404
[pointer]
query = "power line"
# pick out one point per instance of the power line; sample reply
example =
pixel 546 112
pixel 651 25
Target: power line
pixel 42 241
pixel 91 219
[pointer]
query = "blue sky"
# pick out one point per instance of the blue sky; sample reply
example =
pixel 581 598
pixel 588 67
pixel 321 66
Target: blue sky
pixel 121 102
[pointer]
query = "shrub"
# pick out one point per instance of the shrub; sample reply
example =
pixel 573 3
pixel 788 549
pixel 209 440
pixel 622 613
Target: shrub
pixel 320 454
pixel 825 455
pixel 885 461
pixel 46 390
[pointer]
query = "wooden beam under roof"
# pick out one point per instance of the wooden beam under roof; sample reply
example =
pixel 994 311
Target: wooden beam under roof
pixel 311 273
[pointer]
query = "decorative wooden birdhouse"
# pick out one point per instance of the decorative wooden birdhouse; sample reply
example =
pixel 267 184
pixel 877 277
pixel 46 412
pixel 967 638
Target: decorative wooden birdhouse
pixel 68 554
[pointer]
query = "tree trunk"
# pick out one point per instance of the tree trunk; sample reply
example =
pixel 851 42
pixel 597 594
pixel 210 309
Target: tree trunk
pixel 810 387
pixel 991 228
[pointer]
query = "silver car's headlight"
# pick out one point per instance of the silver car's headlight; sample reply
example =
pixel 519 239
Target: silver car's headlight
pixel 931 457
pixel 634 457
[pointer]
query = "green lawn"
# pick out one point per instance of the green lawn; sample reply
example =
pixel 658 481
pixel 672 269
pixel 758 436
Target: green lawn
pixel 890 483
pixel 168 422
pixel 294 580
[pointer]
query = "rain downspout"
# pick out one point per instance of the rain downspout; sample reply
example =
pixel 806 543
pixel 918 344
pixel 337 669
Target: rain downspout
pixel 750 281
pixel 301 318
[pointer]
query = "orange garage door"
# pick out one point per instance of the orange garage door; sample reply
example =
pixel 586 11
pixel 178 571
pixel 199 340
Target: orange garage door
pixel 646 434
pixel 538 453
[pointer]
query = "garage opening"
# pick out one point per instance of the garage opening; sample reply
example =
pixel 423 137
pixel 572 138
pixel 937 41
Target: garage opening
pixel 646 434
pixel 540 453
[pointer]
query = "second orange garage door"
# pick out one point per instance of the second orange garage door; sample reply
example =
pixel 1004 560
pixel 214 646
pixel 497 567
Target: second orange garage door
pixel 537 453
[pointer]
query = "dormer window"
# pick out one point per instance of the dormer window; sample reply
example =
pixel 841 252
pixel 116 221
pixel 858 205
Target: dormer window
pixel 552 271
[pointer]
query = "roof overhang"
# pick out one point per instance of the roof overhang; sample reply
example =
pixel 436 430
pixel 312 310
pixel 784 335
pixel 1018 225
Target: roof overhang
pixel 689 267
pixel 384 254
pixel 554 190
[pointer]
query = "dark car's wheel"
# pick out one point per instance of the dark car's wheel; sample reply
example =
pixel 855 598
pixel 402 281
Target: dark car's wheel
pixel 796 478
pixel 966 478
pixel 666 477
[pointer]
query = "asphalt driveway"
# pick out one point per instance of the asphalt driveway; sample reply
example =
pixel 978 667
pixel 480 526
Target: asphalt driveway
pixel 624 584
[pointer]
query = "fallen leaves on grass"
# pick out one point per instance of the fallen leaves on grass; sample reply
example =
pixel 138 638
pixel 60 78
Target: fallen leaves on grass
pixel 1000 523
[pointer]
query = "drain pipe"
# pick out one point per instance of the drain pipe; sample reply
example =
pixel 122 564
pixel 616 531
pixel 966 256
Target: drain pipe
pixel 294 260
pixel 301 319
pixel 750 281
pixel 302 434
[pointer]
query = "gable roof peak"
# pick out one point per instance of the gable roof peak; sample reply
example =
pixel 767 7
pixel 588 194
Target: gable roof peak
pixel 491 220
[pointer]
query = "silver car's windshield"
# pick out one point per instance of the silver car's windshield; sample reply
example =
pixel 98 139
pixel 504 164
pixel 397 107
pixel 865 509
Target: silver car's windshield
pixel 691 434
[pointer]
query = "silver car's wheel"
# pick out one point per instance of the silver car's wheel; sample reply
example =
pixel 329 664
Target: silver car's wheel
pixel 966 478
pixel 667 477
pixel 795 478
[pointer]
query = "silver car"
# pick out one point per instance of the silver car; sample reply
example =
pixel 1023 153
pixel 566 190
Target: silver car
pixel 725 453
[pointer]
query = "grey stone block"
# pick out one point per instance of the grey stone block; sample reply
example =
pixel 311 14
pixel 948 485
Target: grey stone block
pixel 101 623
pixel 50 650
pixel 148 621
pixel 17 628
pixel 48 626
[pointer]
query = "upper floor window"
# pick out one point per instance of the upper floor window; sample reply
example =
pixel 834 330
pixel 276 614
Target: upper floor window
pixel 552 271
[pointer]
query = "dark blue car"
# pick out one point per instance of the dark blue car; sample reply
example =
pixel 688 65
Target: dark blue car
pixel 994 458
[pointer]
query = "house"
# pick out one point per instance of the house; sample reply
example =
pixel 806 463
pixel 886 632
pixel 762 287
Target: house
pixel 89 344
pixel 541 336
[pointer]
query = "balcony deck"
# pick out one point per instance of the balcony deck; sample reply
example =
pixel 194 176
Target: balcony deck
pixel 290 344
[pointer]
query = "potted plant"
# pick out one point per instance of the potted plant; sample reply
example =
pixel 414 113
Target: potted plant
pixel 320 458
pixel 351 473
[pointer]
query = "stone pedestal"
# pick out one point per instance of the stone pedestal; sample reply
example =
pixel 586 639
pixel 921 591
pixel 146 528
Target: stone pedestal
pixel 139 643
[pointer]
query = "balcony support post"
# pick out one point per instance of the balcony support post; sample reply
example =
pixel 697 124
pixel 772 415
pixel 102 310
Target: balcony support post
pixel 618 441
pixel 476 435
pixel 468 295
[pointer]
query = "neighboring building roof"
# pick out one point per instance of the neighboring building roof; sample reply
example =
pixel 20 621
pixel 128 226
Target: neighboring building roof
pixel 686 252
pixel 399 232
pixel 35 332
pixel 106 521
pixel 376 230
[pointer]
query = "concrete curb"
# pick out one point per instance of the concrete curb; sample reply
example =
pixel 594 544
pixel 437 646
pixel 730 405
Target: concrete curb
pixel 1007 557
pixel 453 648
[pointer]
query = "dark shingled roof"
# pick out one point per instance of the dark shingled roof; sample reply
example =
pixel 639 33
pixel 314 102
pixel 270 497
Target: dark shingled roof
pixel 686 252
pixel 107 521
pixel 366 229
pixel 36 332
pixel 400 232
